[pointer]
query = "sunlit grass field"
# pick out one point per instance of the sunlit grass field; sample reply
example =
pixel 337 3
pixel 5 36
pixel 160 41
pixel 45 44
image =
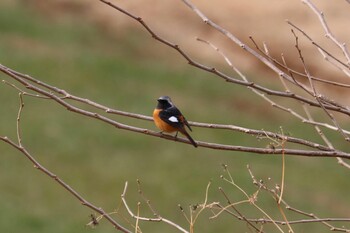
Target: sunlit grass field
pixel 97 159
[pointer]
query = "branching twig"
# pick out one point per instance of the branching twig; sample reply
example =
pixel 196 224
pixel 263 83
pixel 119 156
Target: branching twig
pixel 326 28
pixel 221 74
pixel 291 71
pixel 47 172
pixel 325 152
pixel 309 120
pixel 275 195
pixel 273 103
pixel 45 91
pixel 326 55
pixel 317 96
pixel 251 200
pixel 139 218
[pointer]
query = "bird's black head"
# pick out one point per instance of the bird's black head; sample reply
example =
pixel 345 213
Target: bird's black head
pixel 164 102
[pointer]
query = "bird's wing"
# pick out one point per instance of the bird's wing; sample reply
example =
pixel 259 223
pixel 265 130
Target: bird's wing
pixel 173 117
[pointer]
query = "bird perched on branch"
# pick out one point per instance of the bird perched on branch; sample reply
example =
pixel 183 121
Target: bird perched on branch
pixel 168 118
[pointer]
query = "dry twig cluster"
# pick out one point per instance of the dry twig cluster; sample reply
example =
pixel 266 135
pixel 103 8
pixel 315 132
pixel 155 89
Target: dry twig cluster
pixel 297 87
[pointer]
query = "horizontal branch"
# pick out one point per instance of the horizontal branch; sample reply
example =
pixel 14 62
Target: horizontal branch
pixel 325 152
pixel 260 133
pixel 264 220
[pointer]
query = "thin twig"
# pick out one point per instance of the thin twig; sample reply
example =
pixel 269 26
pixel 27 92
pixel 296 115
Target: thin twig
pixel 137 229
pixel 233 206
pixel 23 92
pixel 139 218
pixel 275 195
pixel 292 71
pixel 219 73
pixel 336 62
pixel 317 96
pixel 301 221
pixel 20 109
pixel 47 172
pixel 274 104
pixel 61 101
pixel 326 28
pixel 252 200
pixel 282 190
pixel 324 138
pixel 146 200
pixel 316 219
pixel 283 175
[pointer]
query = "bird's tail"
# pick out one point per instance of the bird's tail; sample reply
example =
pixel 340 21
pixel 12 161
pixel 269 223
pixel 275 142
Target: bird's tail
pixel 189 138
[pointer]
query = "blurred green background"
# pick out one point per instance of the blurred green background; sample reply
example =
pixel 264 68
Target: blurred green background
pixel 96 159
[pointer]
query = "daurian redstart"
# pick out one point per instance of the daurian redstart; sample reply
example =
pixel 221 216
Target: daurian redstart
pixel 168 118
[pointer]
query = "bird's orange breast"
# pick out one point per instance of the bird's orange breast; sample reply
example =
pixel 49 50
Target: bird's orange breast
pixel 162 125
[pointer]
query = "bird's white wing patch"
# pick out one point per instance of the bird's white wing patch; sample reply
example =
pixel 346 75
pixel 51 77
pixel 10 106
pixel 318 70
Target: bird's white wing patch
pixel 173 119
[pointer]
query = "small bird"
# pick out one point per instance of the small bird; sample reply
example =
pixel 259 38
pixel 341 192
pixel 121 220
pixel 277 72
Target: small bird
pixel 168 118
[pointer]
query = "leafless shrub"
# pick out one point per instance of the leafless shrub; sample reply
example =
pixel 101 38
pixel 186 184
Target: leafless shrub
pixel 299 88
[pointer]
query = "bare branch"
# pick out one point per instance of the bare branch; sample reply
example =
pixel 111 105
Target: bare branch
pixel 327 152
pixel 326 28
pixel 326 55
pixel 139 218
pixel 340 161
pixel 221 74
pixel 301 221
pixel 67 95
pixel 261 186
pixel 315 93
pixel 280 144
pixel 74 193
pixel 291 71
